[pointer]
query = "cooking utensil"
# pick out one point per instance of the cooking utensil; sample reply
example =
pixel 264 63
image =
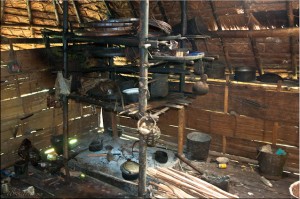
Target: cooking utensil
pixel 245 74
pixel 130 170
pixel 161 157
pixel 131 95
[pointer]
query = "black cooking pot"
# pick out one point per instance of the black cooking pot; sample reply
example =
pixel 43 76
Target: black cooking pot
pixel 161 157
pixel 130 170
pixel 245 74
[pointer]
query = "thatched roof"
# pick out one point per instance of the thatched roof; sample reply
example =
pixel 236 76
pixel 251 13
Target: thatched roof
pixel 24 18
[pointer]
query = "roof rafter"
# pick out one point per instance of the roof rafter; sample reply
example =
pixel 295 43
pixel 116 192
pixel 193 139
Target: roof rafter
pixel 162 11
pixel 76 11
pixel 56 12
pixel 254 48
pixel 29 11
pixel 132 9
pixel 217 20
pixel 2 9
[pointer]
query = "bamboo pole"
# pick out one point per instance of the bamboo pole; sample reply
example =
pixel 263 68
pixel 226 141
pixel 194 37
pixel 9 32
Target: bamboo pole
pixel 65 99
pixel 181 128
pixel 143 89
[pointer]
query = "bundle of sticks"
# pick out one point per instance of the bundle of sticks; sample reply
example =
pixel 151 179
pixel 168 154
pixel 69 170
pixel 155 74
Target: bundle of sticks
pixel 176 184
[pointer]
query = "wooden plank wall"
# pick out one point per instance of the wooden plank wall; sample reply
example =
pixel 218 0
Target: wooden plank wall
pixel 26 93
pixel 256 116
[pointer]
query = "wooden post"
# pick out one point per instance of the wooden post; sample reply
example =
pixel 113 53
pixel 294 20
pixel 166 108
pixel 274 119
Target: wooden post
pixel 276 124
pixel 181 128
pixel 293 40
pixel 226 95
pixel 114 124
pixel 224 141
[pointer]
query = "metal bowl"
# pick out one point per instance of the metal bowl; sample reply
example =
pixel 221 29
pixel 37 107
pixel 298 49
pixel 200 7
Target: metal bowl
pixel 131 95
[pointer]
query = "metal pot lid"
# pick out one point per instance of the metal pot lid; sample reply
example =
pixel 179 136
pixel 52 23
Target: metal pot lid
pixel 130 167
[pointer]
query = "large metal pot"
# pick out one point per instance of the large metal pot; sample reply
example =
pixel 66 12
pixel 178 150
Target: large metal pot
pixel 245 74
pixel 130 170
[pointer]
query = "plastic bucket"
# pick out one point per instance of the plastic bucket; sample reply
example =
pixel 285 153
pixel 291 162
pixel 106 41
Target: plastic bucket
pixel 198 146
pixel 271 165
pixel 21 168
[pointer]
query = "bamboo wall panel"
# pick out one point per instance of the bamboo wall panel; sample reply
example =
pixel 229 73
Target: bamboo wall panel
pixel 253 112
pixel 22 96
pixel 11 109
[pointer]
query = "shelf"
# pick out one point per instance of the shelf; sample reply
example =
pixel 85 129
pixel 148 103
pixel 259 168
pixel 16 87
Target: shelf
pixel 178 59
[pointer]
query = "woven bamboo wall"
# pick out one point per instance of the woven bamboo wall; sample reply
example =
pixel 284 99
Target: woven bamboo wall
pixel 26 93
pixel 258 116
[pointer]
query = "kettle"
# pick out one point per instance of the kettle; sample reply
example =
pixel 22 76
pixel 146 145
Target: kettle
pixel 201 87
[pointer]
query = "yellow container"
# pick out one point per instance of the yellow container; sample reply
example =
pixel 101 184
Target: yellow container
pixel 222 166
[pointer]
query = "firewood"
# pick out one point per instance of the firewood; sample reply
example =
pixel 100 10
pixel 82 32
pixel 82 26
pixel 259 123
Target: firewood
pixel 204 183
pixel 192 190
pixel 180 193
pixel 202 187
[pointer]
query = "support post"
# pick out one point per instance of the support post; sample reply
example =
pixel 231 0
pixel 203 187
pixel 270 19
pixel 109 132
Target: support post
pixel 183 4
pixel 224 140
pixel 143 90
pixel 181 128
pixel 65 99
pixel 293 40
pixel 114 124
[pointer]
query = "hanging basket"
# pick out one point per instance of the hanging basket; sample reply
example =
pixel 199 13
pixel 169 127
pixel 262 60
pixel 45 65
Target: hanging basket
pixel 150 131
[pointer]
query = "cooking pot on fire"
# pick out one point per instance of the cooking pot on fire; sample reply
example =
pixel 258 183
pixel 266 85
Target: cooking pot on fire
pixel 130 170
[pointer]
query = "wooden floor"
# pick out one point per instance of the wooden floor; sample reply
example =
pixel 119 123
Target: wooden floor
pixel 245 179
pixel 54 186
